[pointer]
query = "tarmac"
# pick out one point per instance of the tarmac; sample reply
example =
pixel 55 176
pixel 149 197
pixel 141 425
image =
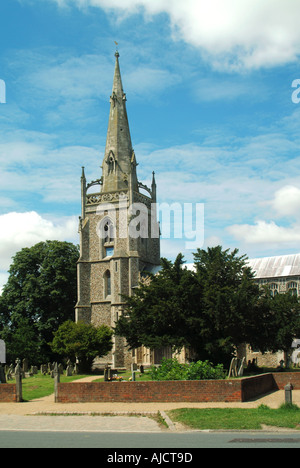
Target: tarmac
pixel 45 415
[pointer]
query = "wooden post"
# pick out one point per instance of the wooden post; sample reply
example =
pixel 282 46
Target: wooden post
pixel 18 376
pixel 56 382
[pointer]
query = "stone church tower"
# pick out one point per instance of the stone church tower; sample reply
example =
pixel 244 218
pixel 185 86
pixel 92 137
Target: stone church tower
pixel 119 232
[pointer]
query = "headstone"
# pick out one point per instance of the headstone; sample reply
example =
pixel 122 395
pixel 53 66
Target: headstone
pixel 2 375
pixel 25 365
pixel 2 352
pixel 69 370
pixel 44 369
pixel 288 393
pixel 232 369
pixel 240 367
pixel 10 372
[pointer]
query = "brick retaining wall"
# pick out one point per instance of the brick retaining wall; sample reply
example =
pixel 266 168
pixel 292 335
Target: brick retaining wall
pixel 141 392
pixel 283 378
pixel 8 393
pixel 235 390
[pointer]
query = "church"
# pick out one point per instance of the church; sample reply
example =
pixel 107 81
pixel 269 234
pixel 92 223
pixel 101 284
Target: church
pixel 120 243
pixel 118 228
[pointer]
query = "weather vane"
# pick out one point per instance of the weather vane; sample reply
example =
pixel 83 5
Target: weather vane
pixel 116 45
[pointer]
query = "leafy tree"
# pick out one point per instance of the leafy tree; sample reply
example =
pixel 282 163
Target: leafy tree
pixel 40 295
pixel 83 342
pixel 210 310
pixel 229 299
pixel 156 315
pixel 285 323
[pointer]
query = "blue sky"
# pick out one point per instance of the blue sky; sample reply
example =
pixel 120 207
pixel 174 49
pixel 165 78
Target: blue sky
pixel 209 90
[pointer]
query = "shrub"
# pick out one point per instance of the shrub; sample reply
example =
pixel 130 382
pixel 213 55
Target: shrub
pixel 171 369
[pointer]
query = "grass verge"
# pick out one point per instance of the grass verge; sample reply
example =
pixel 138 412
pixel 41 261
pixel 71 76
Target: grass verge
pixel 287 416
pixel 39 386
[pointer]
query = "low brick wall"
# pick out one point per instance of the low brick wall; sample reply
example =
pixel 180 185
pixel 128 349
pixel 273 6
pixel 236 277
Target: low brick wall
pixel 141 392
pixel 8 393
pixel 235 390
pixel 257 385
pixel 283 378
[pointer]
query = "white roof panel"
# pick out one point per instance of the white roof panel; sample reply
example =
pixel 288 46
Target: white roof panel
pixel 273 267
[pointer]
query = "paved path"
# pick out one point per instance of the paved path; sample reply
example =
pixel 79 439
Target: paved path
pixel 25 416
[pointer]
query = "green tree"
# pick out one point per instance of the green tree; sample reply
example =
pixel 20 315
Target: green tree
pixel 156 316
pixel 229 302
pixel 285 323
pixel 209 310
pixel 83 342
pixel 40 295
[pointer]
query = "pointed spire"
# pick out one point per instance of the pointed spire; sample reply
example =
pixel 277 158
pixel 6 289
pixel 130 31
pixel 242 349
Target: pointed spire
pixel 117 84
pixel 83 193
pixel 117 163
pixel 153 187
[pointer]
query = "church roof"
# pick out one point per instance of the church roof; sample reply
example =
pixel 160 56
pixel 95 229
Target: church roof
pixel 273 267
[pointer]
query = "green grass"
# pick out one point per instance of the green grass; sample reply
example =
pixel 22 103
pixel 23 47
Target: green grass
pixel 236 418
pixel 39 386
pixel 126 375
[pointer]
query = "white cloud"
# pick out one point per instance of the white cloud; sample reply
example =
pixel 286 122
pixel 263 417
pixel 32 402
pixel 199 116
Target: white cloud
pixel 263 232
pixel 19 230
pixel 286 201
pixel 231 33
pixel 52 174
pixel 285 204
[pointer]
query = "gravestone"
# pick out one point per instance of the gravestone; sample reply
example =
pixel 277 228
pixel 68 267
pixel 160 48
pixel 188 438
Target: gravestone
pixel 2 375
pixel 69 370
pixel 25 365
pixel 2 352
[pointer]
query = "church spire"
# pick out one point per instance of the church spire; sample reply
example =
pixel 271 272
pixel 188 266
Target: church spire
pixel 117 167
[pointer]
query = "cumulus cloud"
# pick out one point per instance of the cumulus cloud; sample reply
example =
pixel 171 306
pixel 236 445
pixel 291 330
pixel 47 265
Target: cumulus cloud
pixel 284 205
pixel 19 230
pixel 263 232
pixel 286 201
pixel 230 33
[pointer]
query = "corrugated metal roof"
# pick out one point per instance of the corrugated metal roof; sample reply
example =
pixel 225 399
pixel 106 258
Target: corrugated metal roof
pixel 273 267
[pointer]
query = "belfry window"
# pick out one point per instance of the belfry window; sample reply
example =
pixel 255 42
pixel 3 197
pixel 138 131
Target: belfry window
pixel 109 232
pixel 107 236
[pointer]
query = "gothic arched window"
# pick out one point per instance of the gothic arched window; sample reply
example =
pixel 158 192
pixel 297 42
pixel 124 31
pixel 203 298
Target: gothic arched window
pixel 109 234
pixel 292 288
pixel 274 289
pixel 106 232
pixel 107 283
